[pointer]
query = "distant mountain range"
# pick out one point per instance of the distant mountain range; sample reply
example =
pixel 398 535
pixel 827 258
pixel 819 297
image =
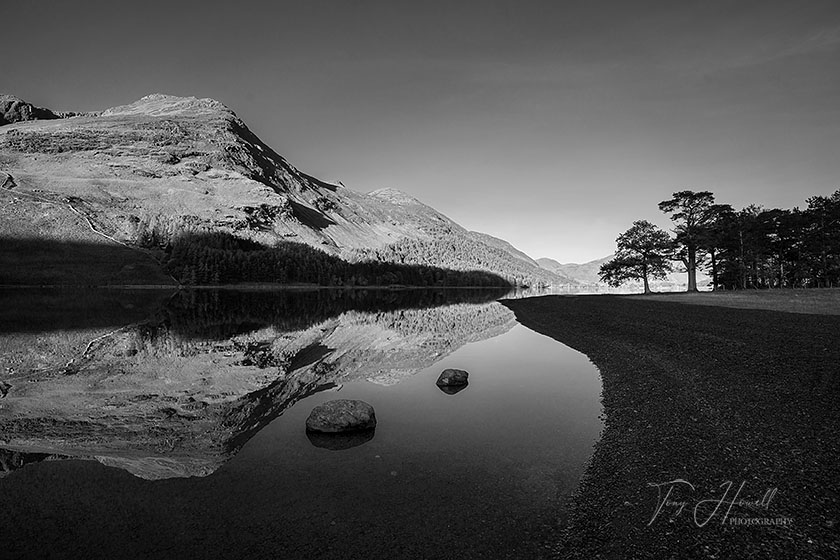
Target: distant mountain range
pixel 92 198
pixel 584 273
pixel 586 276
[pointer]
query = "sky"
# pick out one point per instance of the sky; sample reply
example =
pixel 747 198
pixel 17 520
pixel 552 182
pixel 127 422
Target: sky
pixel 553 125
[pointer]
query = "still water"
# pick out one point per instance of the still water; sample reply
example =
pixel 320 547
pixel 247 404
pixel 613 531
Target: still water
pixel 164 425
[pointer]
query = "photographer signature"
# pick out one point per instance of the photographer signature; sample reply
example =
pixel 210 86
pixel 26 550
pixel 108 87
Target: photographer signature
pixel 703 511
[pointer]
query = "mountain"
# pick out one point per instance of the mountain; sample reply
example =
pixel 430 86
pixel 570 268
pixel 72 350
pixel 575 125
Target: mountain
pixel 587 275
pixel 104 194
pixel 503 245
pixel 584 273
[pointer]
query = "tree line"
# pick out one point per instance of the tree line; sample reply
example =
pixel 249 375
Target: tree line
pixel 213 258
pixel 460 252
pixel 751 248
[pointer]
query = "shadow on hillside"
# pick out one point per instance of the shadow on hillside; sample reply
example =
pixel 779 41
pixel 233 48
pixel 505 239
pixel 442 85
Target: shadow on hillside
pixel 211 258
pixel 223 258
pixel 40 262
pixel 310 217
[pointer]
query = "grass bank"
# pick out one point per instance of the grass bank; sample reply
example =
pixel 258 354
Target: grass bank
pixel 730 403
pixel 822 301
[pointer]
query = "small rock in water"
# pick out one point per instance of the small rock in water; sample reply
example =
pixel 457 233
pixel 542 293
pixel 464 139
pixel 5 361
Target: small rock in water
pixel 341 415
pixel 452 377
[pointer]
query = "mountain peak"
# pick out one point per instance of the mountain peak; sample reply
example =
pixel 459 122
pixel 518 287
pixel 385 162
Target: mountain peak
pixel 161 104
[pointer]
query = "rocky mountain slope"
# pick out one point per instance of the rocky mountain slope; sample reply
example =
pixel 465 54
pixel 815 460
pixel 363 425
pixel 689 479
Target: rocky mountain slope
pixel 140 174
pixel 14 109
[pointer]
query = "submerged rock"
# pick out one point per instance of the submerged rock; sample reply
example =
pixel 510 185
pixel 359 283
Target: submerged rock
pixel 452 389
pixel 452 378
pixel 341 415
pixel 340 441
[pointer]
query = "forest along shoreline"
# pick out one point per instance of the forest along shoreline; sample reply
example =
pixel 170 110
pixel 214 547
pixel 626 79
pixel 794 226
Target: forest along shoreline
pixel 704 395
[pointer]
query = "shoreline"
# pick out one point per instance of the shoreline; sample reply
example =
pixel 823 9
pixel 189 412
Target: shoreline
pixel 706 395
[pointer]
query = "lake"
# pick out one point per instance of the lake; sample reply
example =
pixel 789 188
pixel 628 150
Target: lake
pixel 155 424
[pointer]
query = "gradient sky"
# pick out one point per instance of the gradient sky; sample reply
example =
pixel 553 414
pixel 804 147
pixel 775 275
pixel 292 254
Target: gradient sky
pixel 551 124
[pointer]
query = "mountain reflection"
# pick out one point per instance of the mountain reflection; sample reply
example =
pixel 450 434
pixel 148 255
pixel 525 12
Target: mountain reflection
pixel 13 460
pixel 173 384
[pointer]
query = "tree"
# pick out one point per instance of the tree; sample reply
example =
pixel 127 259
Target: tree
pixel 822 239
pixel 692 213
pixel 712 240
pixel 642 253
pixel 741 233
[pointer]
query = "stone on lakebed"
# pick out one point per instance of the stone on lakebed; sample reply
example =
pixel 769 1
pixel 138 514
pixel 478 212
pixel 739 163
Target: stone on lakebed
pixel 452 377
pixel 341 415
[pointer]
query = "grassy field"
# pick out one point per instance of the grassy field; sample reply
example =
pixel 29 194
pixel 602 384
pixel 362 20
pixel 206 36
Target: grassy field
pixel 707 395
pixel 815 301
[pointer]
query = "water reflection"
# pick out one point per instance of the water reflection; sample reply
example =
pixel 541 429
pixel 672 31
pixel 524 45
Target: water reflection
pixel 181 383
pixel 340 441
pixel 11 460
pixel 173 384
pixel 452 389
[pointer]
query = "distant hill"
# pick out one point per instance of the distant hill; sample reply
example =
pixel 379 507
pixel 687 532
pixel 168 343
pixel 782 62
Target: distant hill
pixel 137 176
pixel 587 275
pixel 504 246
pixel 584 273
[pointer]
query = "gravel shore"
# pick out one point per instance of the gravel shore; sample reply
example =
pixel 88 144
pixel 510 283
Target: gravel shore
pixel 735 411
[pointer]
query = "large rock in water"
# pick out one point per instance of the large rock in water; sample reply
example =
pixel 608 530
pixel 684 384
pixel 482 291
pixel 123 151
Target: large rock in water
pixel 453 378
pixel 341 415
